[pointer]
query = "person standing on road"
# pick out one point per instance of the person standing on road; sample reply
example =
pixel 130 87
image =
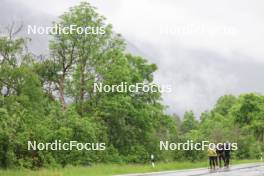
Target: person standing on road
pixel 220 154
pixel 227 154
pixel 212 156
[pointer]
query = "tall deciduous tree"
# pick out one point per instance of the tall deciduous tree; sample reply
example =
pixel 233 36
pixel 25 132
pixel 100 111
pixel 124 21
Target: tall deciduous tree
pixel 80 54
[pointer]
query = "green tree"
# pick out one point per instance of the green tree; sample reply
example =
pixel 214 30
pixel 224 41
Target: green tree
pixel 79 55
pixel 224 104
pixel 189 122
pixel 248 113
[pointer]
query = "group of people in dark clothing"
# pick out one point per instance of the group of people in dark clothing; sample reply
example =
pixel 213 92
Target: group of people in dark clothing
pixel 219 155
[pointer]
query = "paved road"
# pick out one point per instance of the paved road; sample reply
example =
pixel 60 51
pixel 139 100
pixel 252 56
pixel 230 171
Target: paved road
pixel 238 170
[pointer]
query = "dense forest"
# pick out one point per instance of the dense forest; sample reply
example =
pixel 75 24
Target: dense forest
pixel 52 98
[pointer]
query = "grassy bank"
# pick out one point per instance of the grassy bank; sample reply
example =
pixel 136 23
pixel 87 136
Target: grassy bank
pixel 110 169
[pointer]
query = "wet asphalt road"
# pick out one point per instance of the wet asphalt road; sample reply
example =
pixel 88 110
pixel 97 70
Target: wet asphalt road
pixel 238 170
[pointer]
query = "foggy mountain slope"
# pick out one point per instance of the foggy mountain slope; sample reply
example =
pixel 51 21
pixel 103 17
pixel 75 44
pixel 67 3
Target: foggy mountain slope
pixel 199 77
pixel 20 14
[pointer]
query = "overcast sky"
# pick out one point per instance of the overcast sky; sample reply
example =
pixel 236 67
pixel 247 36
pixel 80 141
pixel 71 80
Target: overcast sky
pixel 204 49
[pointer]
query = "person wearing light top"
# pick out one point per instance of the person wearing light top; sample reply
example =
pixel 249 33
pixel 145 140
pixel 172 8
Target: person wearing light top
pixel 212 156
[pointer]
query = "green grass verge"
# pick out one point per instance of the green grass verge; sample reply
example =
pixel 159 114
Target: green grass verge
pixel 111 169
